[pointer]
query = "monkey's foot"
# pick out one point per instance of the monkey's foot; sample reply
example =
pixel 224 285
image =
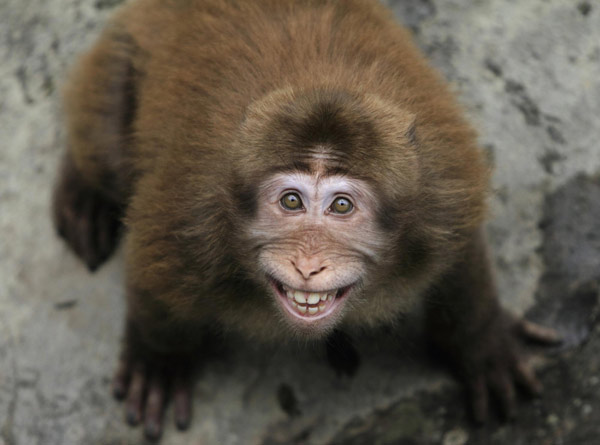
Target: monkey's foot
pixel 88 222
pixel 146 387
pixel 495 363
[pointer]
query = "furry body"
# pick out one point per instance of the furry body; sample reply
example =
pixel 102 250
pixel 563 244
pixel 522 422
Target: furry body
pixel 184 111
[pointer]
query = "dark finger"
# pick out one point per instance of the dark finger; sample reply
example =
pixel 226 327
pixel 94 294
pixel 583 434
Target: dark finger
pixel 503 388
pixel 155 403
pixel 478 395
pixel 182 402
pixel 121 379
pixel 105 238
pixel 114 228
pixel 525 376
pixel 536 332
pixel 85 242
pixel 135 397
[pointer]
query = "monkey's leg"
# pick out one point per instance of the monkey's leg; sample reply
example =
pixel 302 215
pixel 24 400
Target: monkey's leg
pixel 481 340
pixel 147 377
pixel 91 190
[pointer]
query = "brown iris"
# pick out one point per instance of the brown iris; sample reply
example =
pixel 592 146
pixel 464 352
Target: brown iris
pixel 291 201
pixel 342 206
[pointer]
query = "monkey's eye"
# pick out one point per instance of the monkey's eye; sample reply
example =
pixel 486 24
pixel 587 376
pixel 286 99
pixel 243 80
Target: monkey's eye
pixel 291 201
pixel 341 206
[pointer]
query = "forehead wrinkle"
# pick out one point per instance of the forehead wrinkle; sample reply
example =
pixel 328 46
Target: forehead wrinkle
pixel 323 152
pixel 323 164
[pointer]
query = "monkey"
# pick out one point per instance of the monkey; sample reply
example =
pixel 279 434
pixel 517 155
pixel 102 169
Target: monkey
pixel 285 171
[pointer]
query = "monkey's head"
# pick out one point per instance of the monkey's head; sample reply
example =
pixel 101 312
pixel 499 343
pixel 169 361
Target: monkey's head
pixel 329 193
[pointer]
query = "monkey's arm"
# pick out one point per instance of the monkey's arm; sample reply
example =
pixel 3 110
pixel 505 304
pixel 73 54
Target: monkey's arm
pixel 482 340
pixel 91 190
pixel 100 102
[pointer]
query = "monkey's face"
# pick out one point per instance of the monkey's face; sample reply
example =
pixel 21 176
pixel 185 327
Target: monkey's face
pixel 315 236
pixel 322 177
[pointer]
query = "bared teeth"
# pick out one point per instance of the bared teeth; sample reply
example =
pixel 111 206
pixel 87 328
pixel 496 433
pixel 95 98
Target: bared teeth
pixel 311 298
pixel 299 297
pixel 309 303
pixel 314 298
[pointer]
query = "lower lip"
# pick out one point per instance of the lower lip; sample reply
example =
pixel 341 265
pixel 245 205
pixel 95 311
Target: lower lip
pixel 335 304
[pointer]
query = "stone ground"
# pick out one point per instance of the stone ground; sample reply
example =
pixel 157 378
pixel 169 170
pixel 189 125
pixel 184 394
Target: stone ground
pixel 528 73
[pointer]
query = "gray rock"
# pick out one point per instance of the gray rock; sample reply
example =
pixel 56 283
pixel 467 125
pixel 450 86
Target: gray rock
pixel 528 75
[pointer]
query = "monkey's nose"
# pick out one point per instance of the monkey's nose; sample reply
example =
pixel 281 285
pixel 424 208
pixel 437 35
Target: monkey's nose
pixel 308 267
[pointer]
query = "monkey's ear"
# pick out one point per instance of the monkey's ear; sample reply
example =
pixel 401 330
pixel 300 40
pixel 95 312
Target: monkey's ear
pixel 397 134
pixel 395 124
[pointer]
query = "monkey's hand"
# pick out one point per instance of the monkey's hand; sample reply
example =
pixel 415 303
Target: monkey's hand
pixel 84 218
pixel 146 380
pixel 492 360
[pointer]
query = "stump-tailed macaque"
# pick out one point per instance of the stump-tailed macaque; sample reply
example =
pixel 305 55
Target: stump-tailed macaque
pixel 285 170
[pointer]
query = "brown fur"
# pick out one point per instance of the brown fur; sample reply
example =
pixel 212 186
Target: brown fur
pixel 183 108
pixel 198 82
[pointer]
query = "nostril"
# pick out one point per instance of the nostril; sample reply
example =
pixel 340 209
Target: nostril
pixel 314 272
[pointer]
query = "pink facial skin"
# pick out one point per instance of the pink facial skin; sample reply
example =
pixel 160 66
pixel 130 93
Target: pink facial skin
pixel 314 248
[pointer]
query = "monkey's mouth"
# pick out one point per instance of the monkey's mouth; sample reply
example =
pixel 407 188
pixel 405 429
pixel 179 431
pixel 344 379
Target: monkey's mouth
pixel 309 305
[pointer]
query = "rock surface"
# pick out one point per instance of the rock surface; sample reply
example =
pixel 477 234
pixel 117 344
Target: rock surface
pixel 528 74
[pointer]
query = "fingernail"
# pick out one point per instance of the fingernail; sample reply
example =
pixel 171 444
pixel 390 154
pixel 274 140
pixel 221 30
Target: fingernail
pixel 118 392
pixel 182 424
pixel 132 417
pixel 152 431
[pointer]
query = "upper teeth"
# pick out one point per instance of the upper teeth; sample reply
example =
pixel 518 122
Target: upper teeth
pixel 311 298
pixel 313 302
pixel 300 297
pixel 315 298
